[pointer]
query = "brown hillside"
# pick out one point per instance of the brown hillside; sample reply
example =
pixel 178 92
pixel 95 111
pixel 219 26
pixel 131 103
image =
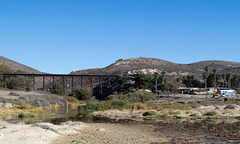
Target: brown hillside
pixel 151 65
pixel 17 66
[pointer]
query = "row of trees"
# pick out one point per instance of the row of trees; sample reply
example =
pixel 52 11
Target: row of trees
pixel 141 81
pixel 211 80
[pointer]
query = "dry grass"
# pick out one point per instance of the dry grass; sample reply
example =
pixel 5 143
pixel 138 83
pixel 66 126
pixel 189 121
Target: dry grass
pixel 72 106
pixel 54 106
pixel 23 111
pixel 139 106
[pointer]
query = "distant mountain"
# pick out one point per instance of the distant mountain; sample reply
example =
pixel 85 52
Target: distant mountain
pixel 173 70
pixel 17 66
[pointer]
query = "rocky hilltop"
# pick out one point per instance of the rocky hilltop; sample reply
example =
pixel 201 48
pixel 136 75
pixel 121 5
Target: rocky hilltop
pixel 150 65
pixel 17 66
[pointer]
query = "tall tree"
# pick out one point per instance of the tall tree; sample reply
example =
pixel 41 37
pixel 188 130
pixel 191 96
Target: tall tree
pixel 163 75
pixel 206 68
pixel 193 77
pixel 205 76
pixel 229 78
pixel 215 78
pixel 223 77
pixel 156 76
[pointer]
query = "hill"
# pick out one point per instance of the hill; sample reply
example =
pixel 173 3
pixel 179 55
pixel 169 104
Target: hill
pixel 147 66
pixel 150 65
pixel 17 66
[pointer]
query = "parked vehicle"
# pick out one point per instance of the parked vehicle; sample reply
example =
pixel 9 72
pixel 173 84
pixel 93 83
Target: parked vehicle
pixel 224 93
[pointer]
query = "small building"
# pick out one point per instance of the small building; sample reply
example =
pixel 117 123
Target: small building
pixel 198 91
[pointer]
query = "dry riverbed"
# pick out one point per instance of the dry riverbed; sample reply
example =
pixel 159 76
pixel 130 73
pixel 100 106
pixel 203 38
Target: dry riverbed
pixel 76 132
pixel 102 133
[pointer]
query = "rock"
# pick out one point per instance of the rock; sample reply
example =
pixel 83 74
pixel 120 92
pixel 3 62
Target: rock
pixel 230 107
pixel 14 94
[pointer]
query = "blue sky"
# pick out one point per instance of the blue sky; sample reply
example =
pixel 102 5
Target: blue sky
pixel 60 36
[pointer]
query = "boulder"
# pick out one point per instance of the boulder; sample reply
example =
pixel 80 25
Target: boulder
pixel 14 94
pixel 230 107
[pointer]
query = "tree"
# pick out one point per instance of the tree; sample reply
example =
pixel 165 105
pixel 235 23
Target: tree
pixel 193 77
pixel 81 93
pixel 178 80
pixel 205 76
pixel 229 77
pixel 156 76
pixel 215 78
pixel 206 68
pixel 163 75
pixel 168 87
pixel 57 89
pixel 223 77
pixel 191 81
pixel 235 81
pixel 142 81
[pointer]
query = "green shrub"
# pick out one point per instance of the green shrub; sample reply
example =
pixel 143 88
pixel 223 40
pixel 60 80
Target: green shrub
pixel 149 113
pixel 57 89
pixel 21 115
pixel 211 113
pixel 82 94
pixel 164 116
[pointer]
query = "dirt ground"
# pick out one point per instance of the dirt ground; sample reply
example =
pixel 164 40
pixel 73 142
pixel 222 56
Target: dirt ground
pixel 101 133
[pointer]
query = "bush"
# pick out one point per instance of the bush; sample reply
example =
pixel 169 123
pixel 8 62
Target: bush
pixel 22 105
pixel 106 105
pixel 21 115
pixel 138 106
pixel 149 113
pixel 71 99
pixel 57 89
pixel 82 94
pixel 211 113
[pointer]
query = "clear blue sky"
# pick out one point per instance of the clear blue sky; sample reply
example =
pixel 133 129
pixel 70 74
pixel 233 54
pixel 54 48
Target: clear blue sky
pixel 60 36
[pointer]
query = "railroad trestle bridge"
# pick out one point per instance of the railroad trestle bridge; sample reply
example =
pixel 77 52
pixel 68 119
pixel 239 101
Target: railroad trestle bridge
pixel 69 82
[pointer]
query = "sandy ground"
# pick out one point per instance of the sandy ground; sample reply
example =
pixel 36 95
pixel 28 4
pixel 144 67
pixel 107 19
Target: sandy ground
pixel 100 133
pixel 76 132
pixel 41 133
